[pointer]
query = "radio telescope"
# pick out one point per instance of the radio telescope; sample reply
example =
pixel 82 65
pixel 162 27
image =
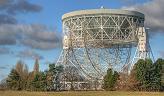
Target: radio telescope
pixel 97 39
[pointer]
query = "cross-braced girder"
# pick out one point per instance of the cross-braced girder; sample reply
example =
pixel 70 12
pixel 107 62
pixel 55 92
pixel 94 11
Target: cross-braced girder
pixel 107 29
pixel 93 43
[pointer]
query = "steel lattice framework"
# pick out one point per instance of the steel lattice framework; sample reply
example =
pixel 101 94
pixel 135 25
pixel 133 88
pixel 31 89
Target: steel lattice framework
pixel 98 39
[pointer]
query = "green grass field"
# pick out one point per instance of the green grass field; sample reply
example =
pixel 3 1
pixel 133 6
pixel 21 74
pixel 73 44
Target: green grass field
pixel 80 93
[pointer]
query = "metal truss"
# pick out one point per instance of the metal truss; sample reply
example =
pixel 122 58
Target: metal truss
pixel 94 43
pixel 143 50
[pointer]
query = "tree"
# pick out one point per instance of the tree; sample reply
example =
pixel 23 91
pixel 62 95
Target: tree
pixel 19 67
pixel 36 66
pixel 59 70
pixel 14 80
pixel 132 81
pixel 17 79
pixel 143 73
pixel 52 76
pixel 159 74
pixel 162 76
pixel 22 70
pixel 148 76
pixel 110 79
pixel 25 77
pixel 39 82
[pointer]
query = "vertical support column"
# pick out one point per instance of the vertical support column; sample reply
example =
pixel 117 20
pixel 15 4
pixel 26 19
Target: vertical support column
pixel 143 50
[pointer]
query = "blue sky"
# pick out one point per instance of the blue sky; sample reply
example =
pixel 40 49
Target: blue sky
pixel 46 15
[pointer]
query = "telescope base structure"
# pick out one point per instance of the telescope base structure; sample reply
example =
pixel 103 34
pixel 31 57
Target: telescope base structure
pixel 89 85
pixel 67 58
pixel 99 39
pixel 92 63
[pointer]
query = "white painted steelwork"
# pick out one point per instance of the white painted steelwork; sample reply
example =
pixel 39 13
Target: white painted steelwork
pixel 98 39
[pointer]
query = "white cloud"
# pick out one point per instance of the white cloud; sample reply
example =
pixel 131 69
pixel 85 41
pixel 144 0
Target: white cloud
pixel 154 14
pixel 29 54
pixel 10 8
pixel 33 36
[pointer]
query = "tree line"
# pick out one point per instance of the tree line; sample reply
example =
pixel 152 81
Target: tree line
pixel 145 76
pixel 20 78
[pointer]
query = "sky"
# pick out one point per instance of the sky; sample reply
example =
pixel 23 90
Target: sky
pixel 31 29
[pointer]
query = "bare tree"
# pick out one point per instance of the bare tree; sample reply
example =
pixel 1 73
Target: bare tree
pixel 22 70
pixel 36 66
pixel 19 67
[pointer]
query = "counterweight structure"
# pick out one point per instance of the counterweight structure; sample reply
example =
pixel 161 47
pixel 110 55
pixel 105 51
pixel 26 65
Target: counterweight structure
pixel 97 39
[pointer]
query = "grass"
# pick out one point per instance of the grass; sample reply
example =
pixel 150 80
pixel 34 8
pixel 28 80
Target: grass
pixel 80 93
